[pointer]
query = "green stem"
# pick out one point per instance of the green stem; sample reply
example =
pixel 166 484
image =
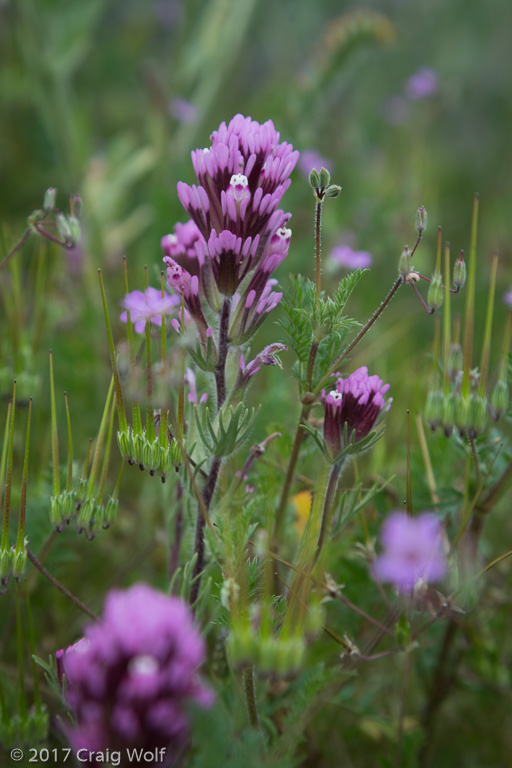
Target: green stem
pixel 35 562
pixel 8 476
pixel 23 500
pixel 318 249
pixel 359 336
pixel 327 511
pixel 250 696
pixel 22 699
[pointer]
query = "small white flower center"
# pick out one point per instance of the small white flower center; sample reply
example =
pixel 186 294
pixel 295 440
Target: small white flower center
pixel 143 665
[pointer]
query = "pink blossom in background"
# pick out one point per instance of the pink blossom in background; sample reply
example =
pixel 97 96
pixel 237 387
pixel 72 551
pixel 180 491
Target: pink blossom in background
pixel 184 111
pixel 412 550
pixel 310 159
pixel 346 257
pixel 422 84
pixel 150 305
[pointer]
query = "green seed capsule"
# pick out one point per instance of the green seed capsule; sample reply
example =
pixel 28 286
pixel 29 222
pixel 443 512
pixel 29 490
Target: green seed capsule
pixel 499 399
pixel 435 292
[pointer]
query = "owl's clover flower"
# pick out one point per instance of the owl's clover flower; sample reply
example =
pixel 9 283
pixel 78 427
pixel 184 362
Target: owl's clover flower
pixel 412 550
pixel 131 680
pixel 354 406
pixel 241 180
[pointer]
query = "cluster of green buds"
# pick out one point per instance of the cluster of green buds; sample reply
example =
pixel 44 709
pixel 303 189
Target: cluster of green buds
pixel 460 400
pixel 13 559
pixel 270 634
pixel 158 456
pixel 83 501
pixel 408 273
pixel 67 224
pixel 152 447
pixel 320 181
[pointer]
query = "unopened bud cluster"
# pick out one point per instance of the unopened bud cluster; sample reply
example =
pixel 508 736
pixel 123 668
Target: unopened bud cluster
pixel 147 454
pixel 320 181
pixel 90 515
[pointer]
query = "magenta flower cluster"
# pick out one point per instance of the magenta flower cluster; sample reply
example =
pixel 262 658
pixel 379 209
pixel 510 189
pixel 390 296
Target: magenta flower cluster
pixel 353 406
pixel 130 680
pixel 413 550
pixel 236 230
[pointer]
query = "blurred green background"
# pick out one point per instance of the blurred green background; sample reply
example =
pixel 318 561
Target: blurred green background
pixel 108 97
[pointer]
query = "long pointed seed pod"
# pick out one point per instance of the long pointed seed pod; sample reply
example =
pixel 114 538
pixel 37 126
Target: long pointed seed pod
pixel 137 421
pixel 470 303
pixel 121 414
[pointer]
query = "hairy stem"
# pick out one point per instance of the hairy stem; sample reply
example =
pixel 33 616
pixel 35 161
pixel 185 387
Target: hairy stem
pixel 220 368
pixel 200 524
pixel 346 352
pixel 250 696
pixel 330 492
pixel 35 562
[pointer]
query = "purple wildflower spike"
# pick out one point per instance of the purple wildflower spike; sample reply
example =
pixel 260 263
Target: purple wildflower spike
pixel 413 550
pixel 356 402
pixel 150 305
pixel 241 180
pixel 131 682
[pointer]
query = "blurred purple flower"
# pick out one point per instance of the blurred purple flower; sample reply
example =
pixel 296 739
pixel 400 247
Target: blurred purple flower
pixel 184 111
pixel 356 402
pixel 348 258
pixel 150 305
pixel 131 682
pixel 507 298
pixel 190 378
pixel 413 550
pixel 421 84
pixel 310 159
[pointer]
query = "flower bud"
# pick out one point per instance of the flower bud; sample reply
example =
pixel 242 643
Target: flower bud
pixel 124 441
pixel 110 512
pixel 5 565
pixel 421 219
pixel 19 562
pixel 96 523
pixel 459 272
pixel 477 415
pixel 81 492
pixel 404 263
pixel 314 178
pixel 176 456
pixel 448 418
pixel 435 292
pixel 49 199
pixel 325 178
pixel 74 227
pixel 434 409
pixel 85 514
pixel 57 513
pixel 68 501
pixel 462 413
pixel 499 399
pixel 63 227
pixel 333 190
